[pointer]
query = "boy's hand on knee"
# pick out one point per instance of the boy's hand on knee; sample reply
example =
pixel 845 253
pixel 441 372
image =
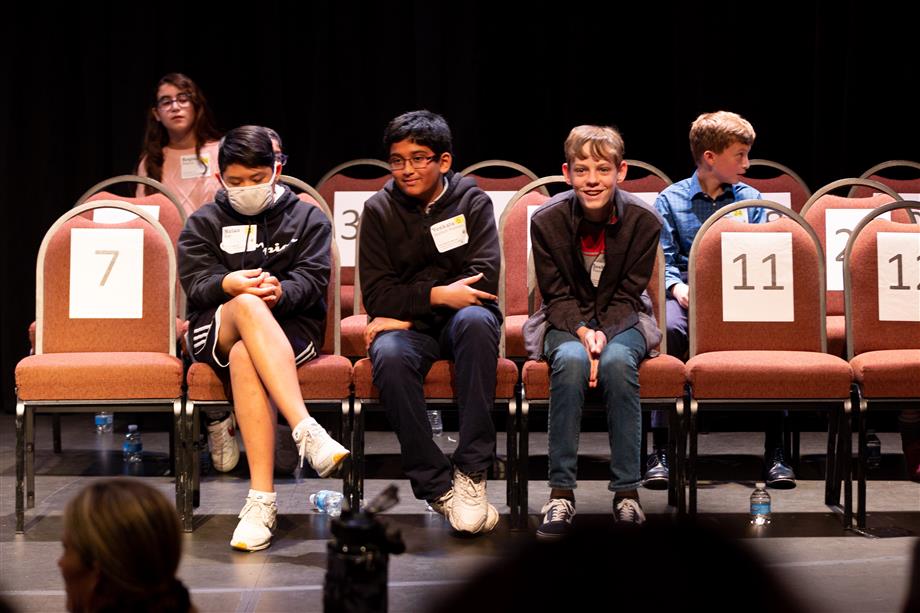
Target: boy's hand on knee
pixel 460 293
pixel 242 281
pixel 594 342
pixel 381 324
pixel 681 293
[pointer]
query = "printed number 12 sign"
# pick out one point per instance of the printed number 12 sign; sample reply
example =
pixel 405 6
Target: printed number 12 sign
pixel 898 276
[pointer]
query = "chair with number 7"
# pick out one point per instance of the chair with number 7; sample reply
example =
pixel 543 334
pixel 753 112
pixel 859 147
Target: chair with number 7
pixel 757 336
pixel 105 332
pixel 882 271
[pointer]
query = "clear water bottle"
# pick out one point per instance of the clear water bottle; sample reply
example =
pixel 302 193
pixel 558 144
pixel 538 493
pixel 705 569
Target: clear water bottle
pixel 327 501
pixel 873 450
pixel 133 448
pixel 760 505
pixel 434 418
pixel 104 421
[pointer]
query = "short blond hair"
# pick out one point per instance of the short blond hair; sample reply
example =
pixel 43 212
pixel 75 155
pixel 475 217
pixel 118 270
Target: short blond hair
pixel 718 131
pixel 603 142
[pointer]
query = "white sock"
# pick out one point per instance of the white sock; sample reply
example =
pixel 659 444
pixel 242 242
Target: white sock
pixel 267 497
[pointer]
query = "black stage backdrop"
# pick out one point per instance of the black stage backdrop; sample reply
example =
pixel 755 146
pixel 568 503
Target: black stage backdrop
pixel 826 85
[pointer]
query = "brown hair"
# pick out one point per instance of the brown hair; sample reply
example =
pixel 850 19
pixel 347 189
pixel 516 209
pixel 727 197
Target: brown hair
pixel 156 137
pixel 603 142
pixel 131 533
pixel 718 131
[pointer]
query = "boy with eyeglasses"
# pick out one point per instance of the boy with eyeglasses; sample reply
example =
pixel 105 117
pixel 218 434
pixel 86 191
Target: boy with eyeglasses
pixel 594 248
pixel 429 264
pixel 255 267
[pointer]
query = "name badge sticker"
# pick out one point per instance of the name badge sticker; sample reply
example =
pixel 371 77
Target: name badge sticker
pixel 450 233
pixel 193 167
pixel 237 239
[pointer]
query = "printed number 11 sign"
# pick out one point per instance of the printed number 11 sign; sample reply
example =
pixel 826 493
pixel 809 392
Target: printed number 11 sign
pixel 757 276
pixel 898 276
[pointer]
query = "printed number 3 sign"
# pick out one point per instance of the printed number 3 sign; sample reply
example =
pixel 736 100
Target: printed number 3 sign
pixel 757 276
pixel 106 273
pixel 347 208
pixel 898 276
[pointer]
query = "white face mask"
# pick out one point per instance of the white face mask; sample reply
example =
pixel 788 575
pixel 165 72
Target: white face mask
pixel 252 199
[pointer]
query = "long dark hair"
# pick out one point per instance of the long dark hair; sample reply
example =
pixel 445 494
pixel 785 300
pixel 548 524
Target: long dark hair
pixel 156 137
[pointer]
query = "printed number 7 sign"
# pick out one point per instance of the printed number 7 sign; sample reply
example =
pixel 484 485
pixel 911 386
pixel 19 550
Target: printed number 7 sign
pixel 106 273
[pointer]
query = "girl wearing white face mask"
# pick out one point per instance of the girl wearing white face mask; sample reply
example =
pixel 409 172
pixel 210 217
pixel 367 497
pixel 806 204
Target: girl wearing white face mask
pixel 255 267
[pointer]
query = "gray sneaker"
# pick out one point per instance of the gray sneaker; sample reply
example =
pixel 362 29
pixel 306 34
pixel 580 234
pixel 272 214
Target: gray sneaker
pixel 628 510
pixel 470 510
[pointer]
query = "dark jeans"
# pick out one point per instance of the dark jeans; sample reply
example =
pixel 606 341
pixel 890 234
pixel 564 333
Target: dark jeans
pixel 402 358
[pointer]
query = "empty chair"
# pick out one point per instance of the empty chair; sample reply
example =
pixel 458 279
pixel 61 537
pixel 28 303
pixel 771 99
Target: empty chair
pixel 882 269
pixel 903 176
pixel 757 335
pixel 644 180
pixel 833 217
pixel 778 183
pixel 105 332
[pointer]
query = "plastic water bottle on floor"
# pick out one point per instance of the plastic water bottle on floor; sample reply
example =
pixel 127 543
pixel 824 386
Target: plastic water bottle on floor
pixel 434 418
pixel 133 448
pixel 760 505
pixel 104 421
pixel 327 501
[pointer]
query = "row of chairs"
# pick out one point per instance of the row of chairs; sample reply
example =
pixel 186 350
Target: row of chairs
pixel 30 396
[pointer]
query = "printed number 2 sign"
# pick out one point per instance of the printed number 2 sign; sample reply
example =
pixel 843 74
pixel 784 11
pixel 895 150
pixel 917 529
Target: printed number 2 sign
pixel 106 273
pixel 898 276
pixel 757 276
pixel 839 224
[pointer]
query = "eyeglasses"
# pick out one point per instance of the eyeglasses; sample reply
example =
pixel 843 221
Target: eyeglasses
pixel 281 158
pixel 183 100
pixel 417 161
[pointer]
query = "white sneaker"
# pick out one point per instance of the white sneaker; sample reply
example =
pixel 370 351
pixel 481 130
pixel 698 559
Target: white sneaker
pixel 628 510
pixel 444 505
pixel 469 510
pixel 225 449
pixel 257 520
pixel 323 452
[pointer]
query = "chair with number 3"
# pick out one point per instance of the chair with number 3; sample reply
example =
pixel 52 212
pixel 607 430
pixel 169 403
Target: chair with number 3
pixel 105 332
pixel 757 336
pixel 881 271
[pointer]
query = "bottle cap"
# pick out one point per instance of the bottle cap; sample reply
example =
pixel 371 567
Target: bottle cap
pixel 760 485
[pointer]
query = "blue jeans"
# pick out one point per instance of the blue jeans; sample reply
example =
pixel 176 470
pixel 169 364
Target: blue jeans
pixel 402 358
pixel 618 378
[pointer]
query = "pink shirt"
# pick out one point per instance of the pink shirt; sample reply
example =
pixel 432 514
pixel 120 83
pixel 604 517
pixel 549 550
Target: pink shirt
pixel 189 178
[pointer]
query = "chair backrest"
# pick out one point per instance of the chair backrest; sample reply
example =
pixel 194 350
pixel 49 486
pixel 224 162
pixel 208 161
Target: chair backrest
pixel 903 176
pixel 103 287
pixel 164 206
pixel 833 218
pixel 778 183
pixel 500 179
pixel 756 286
pixel 345 188
pixel 307 193
pixel 514 242
pixel 644 180
pixel 882 271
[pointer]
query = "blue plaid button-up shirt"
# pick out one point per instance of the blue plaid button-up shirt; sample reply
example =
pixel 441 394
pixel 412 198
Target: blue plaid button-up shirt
pixel 685 207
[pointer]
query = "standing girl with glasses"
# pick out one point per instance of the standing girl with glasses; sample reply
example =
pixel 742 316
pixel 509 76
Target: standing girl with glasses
pixel 180 143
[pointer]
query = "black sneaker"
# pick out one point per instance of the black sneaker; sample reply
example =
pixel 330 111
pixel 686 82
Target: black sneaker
pixel 779 474
pixel 656 471
pixel 557 518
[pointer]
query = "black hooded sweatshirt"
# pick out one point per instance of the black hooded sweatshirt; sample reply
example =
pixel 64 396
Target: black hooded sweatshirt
pixel 400 263
pixel 290 240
